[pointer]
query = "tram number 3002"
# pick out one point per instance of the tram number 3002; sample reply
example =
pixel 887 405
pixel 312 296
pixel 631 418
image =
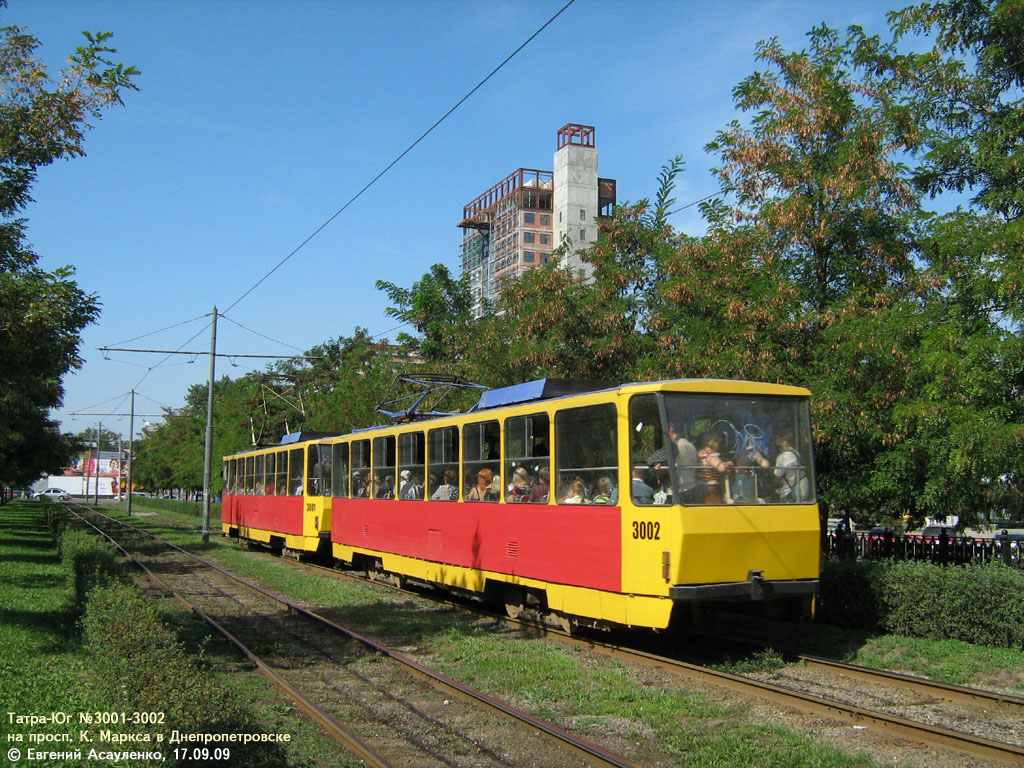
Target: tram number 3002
pixel 646 530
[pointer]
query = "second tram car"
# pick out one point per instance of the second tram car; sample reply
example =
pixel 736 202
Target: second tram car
pixel 618 506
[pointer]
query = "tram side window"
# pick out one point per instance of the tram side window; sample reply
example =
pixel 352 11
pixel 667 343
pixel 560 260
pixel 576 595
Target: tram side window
pixel 281 480
pixel 231 483
pixel 258 482
pixel 527 470
pixel 339 453
pixel 249 472
pixel 481 465
pixel 585 449
pixel 649 466
pixel 295 472
pixel 443 464
pixel 410 466
pixel 361 469
pixel 384 467
pixel 319 470
pixel 271 475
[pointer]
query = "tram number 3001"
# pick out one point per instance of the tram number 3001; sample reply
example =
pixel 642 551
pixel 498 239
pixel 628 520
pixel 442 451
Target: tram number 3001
pixel 646 530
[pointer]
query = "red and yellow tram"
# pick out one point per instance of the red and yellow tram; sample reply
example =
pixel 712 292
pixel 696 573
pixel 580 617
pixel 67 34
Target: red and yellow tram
pixel 606 507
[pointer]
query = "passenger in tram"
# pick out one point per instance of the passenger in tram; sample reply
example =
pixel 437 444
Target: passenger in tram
pixel 386 488
pixel 642 492
pixel 414 488
pixel 542 490
pixel 449 490
pixel 684 453
pixel 791 478
pixel 359 485
pixel 403 482
pixel 662 485
pixel 519 488
pixel 605 491
pixel 577 493
pixel 494 492
pixel 712 467
pixel 482 489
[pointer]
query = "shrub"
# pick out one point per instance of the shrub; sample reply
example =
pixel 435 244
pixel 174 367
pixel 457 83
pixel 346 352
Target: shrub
pixel 56 522
pixel 136 664
pixel 848 595
pixel 977 604
pixel 89 562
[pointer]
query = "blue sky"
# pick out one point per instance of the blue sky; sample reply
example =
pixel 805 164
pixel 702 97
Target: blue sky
pixel 257 120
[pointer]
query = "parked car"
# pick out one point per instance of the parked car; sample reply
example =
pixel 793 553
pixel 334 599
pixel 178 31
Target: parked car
pixel 53 494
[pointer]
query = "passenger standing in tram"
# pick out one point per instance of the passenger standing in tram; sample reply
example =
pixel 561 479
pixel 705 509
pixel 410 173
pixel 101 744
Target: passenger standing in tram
pixel 790 476
pixel 684 453
pixel 713 466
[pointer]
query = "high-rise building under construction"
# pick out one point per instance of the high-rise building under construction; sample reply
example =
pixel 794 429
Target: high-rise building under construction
pixel 516 224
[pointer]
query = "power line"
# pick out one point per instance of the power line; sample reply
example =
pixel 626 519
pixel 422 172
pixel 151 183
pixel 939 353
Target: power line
pixel 695 202
pixel 153 333
pixel 390 165
pixel 218 354
pixel 257 333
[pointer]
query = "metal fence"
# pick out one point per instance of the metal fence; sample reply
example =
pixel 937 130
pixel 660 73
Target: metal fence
pixel 956 550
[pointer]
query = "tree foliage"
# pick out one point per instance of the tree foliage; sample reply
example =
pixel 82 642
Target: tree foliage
pixel 42 119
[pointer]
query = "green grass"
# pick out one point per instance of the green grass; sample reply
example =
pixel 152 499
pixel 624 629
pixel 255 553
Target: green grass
pixel 949 661
pixel 41 663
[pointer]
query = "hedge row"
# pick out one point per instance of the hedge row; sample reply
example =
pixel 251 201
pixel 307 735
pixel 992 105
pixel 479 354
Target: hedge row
pixel 88 560
pixel 977 604
pixel 140 666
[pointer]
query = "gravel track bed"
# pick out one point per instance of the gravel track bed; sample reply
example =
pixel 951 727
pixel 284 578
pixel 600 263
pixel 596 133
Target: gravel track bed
pixel 978 719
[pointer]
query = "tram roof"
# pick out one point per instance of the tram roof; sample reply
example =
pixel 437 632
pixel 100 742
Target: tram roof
pixel 539 389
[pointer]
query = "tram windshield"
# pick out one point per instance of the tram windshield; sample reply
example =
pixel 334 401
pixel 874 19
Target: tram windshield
pixel 721 449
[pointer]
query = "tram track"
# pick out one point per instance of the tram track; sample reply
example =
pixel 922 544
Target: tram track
pixel 339 678
pixel 915 709
pixel 940 726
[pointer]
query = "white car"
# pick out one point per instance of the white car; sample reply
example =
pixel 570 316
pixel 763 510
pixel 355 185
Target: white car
pixel 53 494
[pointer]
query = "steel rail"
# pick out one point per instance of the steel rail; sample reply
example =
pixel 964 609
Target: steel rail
pixel 947 691
pixel 589 752
pixel 334 728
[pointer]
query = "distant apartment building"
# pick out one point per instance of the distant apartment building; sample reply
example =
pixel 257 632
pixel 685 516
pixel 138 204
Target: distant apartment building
pixel 516 224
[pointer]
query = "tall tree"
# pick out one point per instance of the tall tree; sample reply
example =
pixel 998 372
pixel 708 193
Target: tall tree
pixel 437 306
pixel 41 313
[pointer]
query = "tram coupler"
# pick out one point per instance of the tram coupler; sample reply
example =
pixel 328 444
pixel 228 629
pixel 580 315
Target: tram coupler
pixel 759 588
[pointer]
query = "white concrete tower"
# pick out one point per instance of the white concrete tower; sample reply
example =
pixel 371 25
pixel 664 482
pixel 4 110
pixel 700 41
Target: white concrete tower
pixel 575 204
